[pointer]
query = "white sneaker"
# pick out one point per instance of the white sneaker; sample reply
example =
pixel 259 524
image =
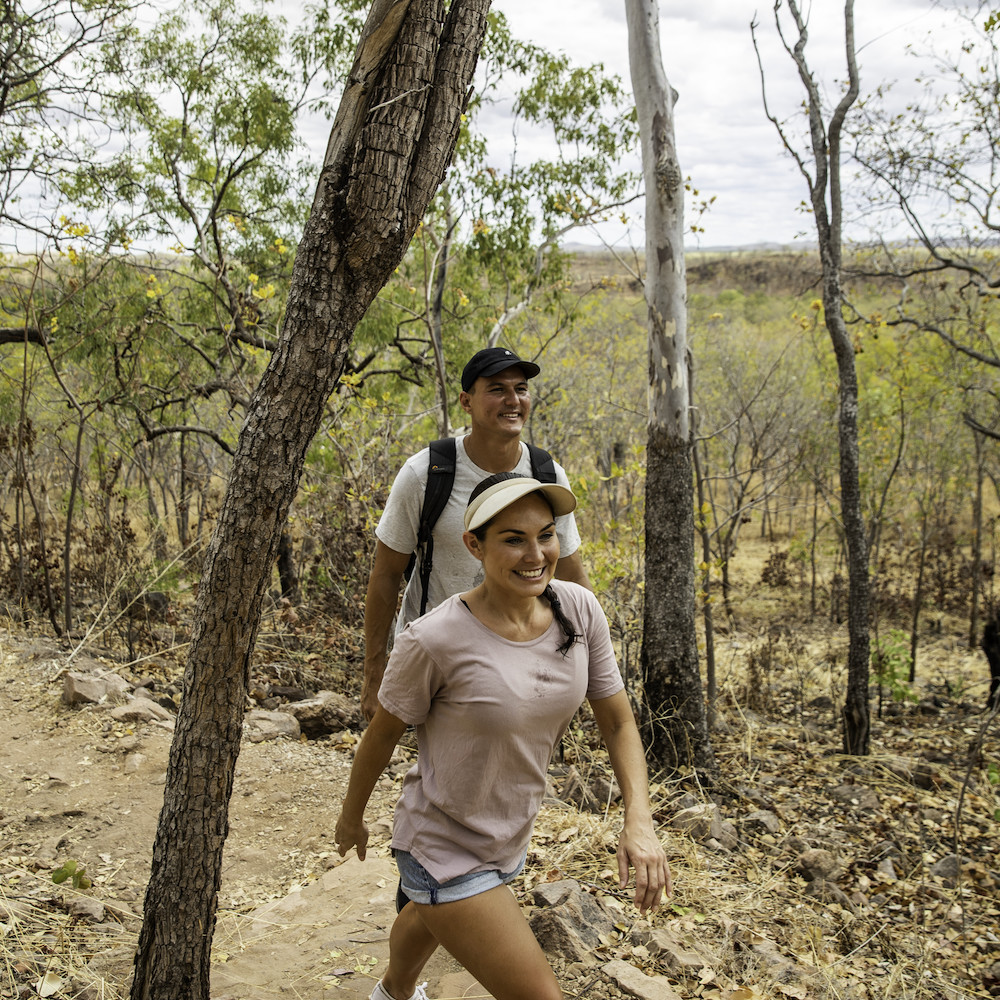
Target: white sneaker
pixel 380 993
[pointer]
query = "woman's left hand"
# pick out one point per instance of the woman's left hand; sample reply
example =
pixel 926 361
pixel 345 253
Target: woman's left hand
pixel 640 848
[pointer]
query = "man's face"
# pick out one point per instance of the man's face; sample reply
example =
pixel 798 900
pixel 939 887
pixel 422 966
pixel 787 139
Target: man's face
pixel 498 403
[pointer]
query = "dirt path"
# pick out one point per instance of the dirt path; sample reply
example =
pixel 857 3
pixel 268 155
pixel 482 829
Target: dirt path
pixel 294 918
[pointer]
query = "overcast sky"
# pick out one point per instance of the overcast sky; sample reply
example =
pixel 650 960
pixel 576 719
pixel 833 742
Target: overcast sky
pixel 725 143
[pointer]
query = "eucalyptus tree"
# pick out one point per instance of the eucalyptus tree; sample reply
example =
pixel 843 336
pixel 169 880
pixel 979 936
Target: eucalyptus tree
pixel 820 166
pixel 675 719
pixel 209 110
pixel 202 193
pixel 389 148
pixel 934 167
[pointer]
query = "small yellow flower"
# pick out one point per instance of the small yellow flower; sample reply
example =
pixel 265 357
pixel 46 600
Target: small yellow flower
pixel 74 228
pixel 253 279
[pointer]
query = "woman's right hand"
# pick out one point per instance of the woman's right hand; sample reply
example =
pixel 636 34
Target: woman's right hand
pixel 351 833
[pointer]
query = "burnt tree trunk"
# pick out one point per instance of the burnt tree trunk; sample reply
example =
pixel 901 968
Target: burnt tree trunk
pixel 390 145
pixel 991 647
pixel 287 577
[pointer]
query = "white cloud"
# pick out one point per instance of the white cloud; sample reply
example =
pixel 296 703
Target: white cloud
pixel 724 140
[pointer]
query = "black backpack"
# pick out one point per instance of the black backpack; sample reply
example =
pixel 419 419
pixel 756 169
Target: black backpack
pixel 440 479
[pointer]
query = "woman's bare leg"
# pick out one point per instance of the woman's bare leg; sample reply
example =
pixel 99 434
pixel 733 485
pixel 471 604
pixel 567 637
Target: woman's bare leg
pixel 411 945
pixel 488 934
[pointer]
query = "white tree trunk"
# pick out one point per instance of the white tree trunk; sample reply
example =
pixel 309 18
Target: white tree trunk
pixel 675 720
pixel 666 292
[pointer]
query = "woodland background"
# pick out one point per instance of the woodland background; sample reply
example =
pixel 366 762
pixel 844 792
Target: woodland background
pixel 126 372
pixel 153 164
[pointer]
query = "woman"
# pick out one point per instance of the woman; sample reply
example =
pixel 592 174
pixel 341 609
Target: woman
pixel 491 678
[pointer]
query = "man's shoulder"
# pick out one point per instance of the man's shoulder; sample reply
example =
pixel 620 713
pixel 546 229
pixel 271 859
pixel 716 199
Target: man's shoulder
pixel 413 470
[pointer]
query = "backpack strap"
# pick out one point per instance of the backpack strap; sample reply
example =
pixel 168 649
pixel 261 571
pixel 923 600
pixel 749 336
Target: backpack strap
pixel 440 479
pixel 542 466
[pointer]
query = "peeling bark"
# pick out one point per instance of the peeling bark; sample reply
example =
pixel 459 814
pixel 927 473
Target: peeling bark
pixel 675 721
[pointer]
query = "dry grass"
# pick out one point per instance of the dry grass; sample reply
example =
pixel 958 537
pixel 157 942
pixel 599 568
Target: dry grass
pixel 749 911
pixel 47 951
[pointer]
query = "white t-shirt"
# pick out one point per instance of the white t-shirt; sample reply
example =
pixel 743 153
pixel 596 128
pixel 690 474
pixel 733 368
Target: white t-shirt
pixel 455 569
pixel 488 713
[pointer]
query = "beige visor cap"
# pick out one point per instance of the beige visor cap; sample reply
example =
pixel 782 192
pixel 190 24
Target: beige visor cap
pixel 495 498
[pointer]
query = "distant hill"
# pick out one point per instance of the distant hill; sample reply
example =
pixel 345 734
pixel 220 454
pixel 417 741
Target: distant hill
pixel 593 248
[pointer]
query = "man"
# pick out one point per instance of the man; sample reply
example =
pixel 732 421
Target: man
pixel 496 397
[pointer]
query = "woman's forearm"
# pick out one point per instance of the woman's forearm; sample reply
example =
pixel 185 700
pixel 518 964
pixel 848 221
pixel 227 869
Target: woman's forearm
pixel 371 759
pixel 628 760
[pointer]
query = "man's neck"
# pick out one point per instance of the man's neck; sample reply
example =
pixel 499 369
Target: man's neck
pixel 494 454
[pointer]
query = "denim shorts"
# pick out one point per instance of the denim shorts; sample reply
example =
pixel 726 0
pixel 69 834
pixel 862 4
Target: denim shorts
pixel 416 884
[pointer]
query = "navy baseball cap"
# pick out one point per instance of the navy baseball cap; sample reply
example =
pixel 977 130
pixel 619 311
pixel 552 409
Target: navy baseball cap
pixel 491 360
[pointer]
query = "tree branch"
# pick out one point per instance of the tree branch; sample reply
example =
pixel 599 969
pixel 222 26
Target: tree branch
pixel 22 335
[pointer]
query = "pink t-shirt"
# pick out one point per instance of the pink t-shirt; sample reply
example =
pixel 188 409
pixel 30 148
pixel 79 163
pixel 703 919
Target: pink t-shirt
pixel 488 714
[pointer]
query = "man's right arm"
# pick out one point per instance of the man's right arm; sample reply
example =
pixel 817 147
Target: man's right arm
pixel 380 609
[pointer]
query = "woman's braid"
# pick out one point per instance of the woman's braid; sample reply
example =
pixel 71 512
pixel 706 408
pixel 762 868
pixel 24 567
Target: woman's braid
pixel 569 629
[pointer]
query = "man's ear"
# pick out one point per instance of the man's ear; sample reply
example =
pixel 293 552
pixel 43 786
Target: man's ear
pixel 463 401
pixel 472 544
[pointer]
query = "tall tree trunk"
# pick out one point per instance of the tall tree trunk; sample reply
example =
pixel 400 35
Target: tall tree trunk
pixel 855 711
pixel 977 545
pixel 823 178
pixel 391 143
pixel 436 321
pixel 675 722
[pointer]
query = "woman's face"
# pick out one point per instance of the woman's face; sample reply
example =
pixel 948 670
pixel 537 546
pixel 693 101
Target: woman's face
pixel 520 550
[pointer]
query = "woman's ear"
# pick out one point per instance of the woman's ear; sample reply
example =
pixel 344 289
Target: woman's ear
pixel 472 544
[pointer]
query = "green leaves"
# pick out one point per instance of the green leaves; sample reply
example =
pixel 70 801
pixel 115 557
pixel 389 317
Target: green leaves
pixel 74 872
